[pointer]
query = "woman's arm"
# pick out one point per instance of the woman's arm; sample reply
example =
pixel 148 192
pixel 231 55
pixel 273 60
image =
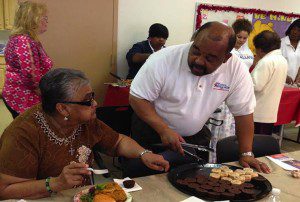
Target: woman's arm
pixel 129 148
pixel 16 188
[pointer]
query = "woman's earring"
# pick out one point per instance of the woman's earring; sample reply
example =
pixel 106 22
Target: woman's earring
pixel 66 118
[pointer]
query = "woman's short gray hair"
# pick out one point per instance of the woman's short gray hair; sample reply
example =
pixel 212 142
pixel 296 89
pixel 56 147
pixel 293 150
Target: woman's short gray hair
pixel 59 85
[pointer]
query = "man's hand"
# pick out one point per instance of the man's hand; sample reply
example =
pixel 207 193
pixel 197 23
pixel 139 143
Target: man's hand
pixel 172 139
pixel 247 161
pixel 155 162
pixel 289 80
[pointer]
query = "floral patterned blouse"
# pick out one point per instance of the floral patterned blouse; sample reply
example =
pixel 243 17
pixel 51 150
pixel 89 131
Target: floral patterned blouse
pixel 26 63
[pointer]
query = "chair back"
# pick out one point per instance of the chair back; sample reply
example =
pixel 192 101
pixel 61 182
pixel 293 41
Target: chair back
pixel 263 145
pixel 116 117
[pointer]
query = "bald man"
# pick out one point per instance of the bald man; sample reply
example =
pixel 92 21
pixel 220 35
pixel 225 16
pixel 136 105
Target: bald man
pixel 179 87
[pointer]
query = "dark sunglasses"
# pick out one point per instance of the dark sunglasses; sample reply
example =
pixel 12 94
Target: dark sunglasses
pixel 84 103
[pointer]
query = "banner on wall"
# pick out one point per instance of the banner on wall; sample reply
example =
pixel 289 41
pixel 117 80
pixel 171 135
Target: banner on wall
pixel 261 19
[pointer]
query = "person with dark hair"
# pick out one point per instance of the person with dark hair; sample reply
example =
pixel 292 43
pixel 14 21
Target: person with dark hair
pixel 268 77
pixel 179 87
pixel 242 29
pixel 139 53
pixel 290 48
pixel 48 148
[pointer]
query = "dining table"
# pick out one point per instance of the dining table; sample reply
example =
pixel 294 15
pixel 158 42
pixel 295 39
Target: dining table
pixel 288 110
pixel 289 106
pixel 157 188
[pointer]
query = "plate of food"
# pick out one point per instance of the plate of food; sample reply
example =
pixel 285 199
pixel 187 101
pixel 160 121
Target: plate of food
pixel 107 192
pixel 220 182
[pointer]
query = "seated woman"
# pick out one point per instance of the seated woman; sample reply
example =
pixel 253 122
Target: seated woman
pixel 47 148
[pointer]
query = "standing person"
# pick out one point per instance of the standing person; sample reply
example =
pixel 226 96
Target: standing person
pixel 139 53
pixel 26 59
pixel 268 77
pixel 242 29
pixel 290 48
pixel 179 87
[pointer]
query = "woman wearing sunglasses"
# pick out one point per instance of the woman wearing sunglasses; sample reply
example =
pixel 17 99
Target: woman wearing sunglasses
pixel 48 148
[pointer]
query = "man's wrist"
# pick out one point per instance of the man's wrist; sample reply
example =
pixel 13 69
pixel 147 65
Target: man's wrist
pixel 245 154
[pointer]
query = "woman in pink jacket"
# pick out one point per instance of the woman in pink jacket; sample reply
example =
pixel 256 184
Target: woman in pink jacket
pixel 26 59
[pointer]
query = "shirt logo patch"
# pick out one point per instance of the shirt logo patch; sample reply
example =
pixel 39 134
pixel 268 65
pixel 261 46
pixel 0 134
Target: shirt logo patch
pixel 220 86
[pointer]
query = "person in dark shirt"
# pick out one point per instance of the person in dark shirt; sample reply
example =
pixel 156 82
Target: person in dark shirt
pixel 139 53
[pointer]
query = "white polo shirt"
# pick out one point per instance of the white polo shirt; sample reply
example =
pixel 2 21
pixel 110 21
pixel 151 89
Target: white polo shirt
pixel 245 54
pixel 292 55
pixel 185 101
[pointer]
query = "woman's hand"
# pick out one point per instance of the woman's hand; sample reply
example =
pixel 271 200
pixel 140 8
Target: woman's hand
pixel 289 80
pixel 155 162
pixel 70 176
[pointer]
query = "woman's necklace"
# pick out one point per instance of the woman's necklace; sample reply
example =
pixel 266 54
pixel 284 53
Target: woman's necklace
pixel 53 137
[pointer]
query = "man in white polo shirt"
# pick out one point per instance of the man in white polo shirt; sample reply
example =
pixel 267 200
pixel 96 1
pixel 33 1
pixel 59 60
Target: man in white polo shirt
pixel 179 87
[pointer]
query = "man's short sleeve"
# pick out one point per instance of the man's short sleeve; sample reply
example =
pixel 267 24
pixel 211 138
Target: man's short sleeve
pixel 148 82
pixel 19 154
pixel 241 100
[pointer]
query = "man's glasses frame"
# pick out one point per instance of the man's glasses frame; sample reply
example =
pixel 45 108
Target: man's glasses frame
pixel 84 103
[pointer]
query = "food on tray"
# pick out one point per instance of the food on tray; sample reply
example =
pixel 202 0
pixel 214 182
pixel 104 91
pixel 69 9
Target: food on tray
pixel 224 183
pixel 216 170
pixel 129 183
pixel 296 173
pixel 108 192
pixel 215 175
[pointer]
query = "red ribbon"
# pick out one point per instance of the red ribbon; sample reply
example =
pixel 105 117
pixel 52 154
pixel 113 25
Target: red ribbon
pixel 237 10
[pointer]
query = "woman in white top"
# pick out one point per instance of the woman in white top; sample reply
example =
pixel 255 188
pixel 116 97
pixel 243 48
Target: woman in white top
pixel 242 29
pixel 290 48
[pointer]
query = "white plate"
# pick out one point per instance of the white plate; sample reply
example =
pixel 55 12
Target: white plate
pixel 85 191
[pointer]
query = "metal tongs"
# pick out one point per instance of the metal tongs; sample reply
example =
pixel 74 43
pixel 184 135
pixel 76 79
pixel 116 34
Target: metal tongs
pixel 198 147
pixel 199 160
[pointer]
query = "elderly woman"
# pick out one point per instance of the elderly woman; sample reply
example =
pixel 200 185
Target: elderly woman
pixel 26 60
pixel 48 148
pixel 242 29
pixel 290 48
pixel 268 78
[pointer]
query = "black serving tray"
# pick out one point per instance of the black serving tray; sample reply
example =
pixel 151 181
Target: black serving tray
pixel 262 186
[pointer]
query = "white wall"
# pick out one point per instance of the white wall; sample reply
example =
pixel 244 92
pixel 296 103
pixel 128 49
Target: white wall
pixel 136 16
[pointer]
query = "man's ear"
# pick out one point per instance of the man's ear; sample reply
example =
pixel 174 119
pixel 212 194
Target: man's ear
pixel 62 109
pixel 227 56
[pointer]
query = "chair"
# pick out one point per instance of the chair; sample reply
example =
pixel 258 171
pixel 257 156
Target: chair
pixel 119 119
pixel 263 145
pixel 116 117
